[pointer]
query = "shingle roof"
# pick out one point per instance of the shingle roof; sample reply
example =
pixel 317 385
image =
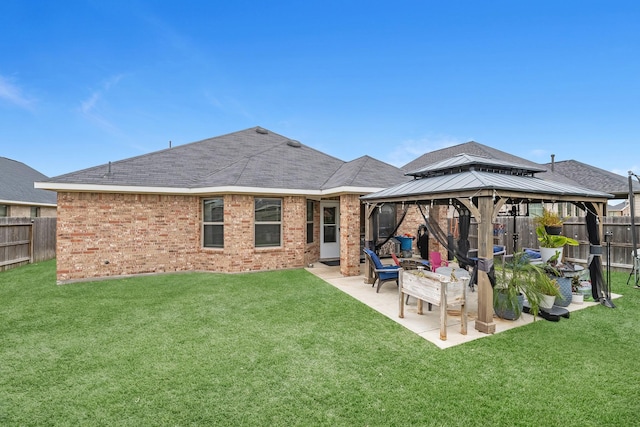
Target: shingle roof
pixel 593 177
pixel 16 184
pixel 365 172
pixel 253 157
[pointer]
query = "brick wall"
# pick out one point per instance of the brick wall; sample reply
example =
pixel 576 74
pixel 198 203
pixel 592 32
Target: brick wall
pixel 414 219
pixel 105 234
pixel 349 235
pixel 312 250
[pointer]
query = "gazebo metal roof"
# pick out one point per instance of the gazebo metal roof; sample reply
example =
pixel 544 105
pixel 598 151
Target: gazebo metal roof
pixel 464 175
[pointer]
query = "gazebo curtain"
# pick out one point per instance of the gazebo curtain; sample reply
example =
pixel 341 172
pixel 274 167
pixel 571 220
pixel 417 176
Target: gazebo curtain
pixel 461 249
pixel 595 254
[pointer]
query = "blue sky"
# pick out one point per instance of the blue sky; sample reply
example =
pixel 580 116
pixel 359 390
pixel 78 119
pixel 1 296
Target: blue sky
pixel 83 83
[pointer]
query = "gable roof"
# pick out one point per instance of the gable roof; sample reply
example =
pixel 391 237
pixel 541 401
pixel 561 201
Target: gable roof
pixel 252 160
pixel 365 171
pixel 16 185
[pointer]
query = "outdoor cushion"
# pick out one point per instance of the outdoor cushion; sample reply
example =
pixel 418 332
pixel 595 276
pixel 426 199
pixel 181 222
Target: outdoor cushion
pixel 531 254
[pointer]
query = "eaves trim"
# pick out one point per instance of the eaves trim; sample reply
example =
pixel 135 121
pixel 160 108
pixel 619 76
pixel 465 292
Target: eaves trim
pixel 93 188
pixel 21 203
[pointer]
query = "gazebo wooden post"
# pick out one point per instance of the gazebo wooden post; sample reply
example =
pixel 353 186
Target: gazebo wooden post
pixel 368 240
pixel 484 321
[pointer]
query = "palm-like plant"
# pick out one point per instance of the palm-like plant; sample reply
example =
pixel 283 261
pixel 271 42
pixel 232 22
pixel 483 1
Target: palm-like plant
pixel 520 277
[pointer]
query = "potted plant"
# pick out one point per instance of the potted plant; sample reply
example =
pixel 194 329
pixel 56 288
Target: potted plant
pixel 516 280
pixel 577 297
pixel 550 220
pixel 549 290
pixel 552 245
pixel 567 276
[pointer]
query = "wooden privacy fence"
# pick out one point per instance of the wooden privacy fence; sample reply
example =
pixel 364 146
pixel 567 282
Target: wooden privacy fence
pixel 26 240
pixel 620 227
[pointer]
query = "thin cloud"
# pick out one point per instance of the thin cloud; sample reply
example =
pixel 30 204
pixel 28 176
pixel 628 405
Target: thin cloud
pixel 13 94
pixel 411 149
pixel 228 105
pixel 634 169
pixel 90 107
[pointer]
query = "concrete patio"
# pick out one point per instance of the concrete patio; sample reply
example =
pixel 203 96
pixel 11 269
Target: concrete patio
pixel 427 325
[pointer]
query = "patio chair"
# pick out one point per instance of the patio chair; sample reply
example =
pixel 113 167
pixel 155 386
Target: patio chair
pixel 382 273
pixel 435 259
pixel 395 259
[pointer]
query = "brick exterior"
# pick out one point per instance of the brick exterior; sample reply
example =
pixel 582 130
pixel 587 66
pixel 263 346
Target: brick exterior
pixel 349 235
pixel 414 219
pixel 109 234
pixel 312 250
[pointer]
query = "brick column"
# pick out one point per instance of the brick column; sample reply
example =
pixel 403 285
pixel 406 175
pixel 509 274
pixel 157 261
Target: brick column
pixel 439 213
pixel 350 235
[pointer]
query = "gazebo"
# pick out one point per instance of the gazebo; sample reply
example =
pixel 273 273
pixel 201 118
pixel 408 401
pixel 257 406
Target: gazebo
pixel 481 187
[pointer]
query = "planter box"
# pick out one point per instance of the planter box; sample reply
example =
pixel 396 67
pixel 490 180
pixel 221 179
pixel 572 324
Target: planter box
pixel 435 289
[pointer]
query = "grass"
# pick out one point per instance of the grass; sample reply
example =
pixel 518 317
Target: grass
pixel 285 348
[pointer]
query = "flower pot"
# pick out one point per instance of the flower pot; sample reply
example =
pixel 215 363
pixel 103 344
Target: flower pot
pixel 553 230
pixel 546 253
pixel 508 310
pixel 577 299
pixel 547 301
pixel 585 288
pixel 565 291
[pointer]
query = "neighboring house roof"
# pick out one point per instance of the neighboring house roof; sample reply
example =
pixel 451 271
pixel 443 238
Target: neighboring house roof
pixel 16 185
pixel 596 178
pixel 618 207
pixel 252 160
pixel 466 173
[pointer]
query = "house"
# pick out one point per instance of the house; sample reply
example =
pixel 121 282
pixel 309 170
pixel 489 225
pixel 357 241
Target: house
pixel 18 197
pixel 619 209
pixel 250 200
pixel 246 201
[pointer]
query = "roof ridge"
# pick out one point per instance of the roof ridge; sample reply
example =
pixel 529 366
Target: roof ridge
pixel 363 162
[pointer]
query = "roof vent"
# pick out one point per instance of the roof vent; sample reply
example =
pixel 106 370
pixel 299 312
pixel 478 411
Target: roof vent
pixel 293 143
pixel 262 131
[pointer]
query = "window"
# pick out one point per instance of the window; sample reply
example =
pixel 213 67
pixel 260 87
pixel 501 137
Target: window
pixel 213 223
pixel 35 212
pixel 385 218
pixel 268 223
pixel 310 221
pixel 4 211
pixel 535 209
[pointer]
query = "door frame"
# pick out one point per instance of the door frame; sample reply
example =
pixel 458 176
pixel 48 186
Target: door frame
pixel 330 250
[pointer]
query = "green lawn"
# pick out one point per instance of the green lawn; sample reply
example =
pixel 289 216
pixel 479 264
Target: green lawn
pixel 284 348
